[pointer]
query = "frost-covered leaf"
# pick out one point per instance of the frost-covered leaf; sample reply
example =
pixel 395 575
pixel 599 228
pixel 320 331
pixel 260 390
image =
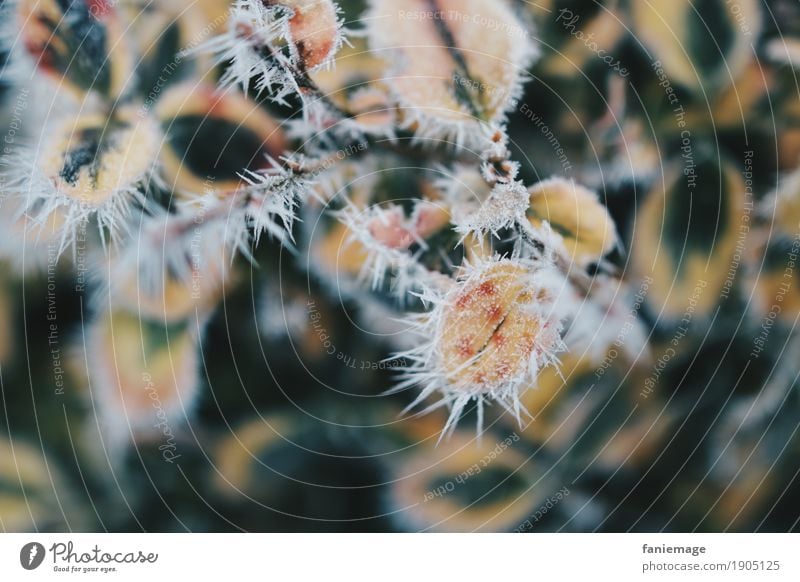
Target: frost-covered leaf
pixel 384 228
pixel 454 66
pixel 575 213
pixel 212 138
pixel 314 31
pixel 78 42
pixel 487 336
pixel 89 167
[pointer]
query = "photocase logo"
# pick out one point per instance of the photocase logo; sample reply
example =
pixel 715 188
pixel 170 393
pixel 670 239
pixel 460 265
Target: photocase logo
pixel 31 555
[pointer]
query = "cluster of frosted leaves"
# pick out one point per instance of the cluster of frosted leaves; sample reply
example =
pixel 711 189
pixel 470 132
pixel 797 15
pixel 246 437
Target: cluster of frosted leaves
pixel 149 177
pixel 391 227
pixel 453 77
pixel 129 141
pixel 276 44
pixel 365 237
pixel 492 200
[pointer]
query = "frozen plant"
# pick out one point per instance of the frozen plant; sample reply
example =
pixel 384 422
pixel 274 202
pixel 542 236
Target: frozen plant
pixel 385 160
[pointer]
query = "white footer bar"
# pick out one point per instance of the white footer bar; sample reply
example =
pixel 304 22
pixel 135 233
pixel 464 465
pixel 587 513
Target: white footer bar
pixel 400 557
